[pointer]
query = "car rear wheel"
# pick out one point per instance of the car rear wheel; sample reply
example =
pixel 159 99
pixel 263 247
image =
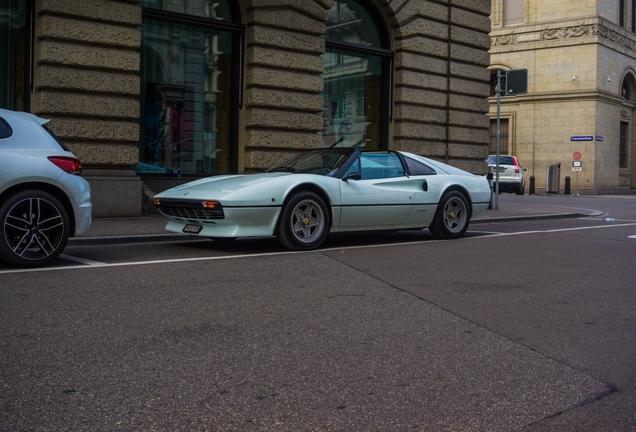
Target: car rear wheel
pixel 35 229
pixel 452 216
pixel 521 190
pixel 303 223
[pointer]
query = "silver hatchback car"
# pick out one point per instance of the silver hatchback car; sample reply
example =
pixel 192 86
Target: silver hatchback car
pixel 43 200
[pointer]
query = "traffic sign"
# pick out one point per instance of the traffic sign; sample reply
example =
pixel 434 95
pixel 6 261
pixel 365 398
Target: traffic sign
pixel 577 155
pixel 516 82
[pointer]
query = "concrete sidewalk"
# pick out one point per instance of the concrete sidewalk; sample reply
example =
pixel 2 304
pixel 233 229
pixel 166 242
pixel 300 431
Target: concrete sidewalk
pixel 150 228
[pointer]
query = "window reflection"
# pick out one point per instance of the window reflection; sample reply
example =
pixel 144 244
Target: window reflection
pixel 352 98
pixel 186 81
pixel 352 93
pixel 12 49
pixel 350 22
pixel 217 9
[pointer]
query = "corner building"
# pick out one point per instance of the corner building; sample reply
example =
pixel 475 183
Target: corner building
pixel 581 61
pixel 155 92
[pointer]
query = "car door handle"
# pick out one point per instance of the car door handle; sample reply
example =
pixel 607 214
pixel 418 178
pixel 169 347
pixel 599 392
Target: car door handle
pixel 425 186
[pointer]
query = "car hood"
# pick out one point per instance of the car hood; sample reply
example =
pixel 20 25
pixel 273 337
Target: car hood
pixel 220 187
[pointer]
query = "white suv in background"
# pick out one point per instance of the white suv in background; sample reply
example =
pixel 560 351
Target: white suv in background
pixel 510 174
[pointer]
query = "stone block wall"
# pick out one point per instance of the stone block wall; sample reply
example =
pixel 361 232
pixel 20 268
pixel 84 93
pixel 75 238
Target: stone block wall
pixel 440 86
pixel 283 83
pixel 441 80
pixel 85 81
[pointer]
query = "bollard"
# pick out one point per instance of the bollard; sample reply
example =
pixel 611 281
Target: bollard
pixel 567 186
pixel 491 204
pixel 531 192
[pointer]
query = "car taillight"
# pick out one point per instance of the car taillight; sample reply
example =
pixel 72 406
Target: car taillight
pixel 517 170
pixel 67 164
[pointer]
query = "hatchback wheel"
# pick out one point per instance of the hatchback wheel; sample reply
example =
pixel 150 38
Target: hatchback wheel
pixel 35 229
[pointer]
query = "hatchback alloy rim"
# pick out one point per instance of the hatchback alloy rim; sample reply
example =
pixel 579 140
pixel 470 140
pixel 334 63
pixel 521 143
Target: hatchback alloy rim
pixel 454 215
pixel 307 221
pixel 33 229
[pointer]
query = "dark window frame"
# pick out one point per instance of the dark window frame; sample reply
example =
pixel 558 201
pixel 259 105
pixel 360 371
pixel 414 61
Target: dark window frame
pixel 28 65
pixel 622 146
pixel 621 13
pixel 386 55
pixel 504 136
pixel 238 35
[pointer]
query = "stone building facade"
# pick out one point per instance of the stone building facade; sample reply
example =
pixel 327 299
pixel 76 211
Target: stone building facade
pixel 153 92
pixel 581 62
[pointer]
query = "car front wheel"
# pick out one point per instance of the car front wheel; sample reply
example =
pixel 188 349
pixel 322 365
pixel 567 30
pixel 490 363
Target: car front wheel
pixel 452 216
pixel 35 229
pixel 304 222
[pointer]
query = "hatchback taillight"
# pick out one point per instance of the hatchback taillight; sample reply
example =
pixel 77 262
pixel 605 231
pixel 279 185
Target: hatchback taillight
pixel 67 164
pixel 517 170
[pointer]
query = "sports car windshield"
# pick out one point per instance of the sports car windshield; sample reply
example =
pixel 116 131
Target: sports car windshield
pixel 321 162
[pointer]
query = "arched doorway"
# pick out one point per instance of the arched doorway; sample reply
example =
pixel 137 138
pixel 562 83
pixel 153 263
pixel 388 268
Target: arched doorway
pixel 357 77
pixel 190 78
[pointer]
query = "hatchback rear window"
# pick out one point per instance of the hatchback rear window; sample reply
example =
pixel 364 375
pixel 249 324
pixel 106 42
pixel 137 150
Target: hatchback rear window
pixel 503 160
pixel 5 129
pixel 56 138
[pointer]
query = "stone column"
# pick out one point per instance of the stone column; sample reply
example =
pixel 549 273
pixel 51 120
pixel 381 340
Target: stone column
pixel 85 82
pixel 283 80
pixel 441 86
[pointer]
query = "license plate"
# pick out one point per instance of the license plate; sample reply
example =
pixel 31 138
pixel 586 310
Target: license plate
pixel 193 229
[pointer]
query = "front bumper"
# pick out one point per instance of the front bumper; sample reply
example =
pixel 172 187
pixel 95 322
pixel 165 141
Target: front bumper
pixel 237 222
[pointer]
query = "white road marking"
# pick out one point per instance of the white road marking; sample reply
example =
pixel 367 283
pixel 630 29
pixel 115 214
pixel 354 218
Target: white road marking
pixel 634 236
pixel 81 260
pixel 137 263
pixel 96 264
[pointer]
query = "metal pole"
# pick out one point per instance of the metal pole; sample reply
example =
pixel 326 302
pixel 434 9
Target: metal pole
pixel 577 185
pixel 498 139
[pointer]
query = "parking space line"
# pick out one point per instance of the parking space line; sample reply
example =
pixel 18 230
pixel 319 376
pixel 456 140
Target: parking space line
pixel 136 263
pixel 81 260
pixel 96 264
pixel 564 229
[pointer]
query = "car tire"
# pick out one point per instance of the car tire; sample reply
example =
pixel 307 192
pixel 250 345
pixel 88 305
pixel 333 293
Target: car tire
pixel 452 216
pixel 35 229
pixel 521 190
pixel 303 223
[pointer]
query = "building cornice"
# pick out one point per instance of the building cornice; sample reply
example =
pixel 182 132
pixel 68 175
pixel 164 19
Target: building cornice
pixel 563 96
pixel 592 30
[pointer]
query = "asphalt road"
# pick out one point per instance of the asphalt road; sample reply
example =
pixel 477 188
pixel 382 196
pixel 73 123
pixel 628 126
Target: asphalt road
pixel 519 325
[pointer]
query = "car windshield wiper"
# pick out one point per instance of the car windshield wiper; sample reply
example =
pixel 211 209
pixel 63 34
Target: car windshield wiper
pixel 283 169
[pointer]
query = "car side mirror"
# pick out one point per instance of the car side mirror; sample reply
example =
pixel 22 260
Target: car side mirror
pixel 353 176
pixel 525 170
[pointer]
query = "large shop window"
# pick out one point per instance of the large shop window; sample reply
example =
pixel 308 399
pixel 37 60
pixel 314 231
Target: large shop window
pixel 189 88
pixel 15 54
pixel 357 78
